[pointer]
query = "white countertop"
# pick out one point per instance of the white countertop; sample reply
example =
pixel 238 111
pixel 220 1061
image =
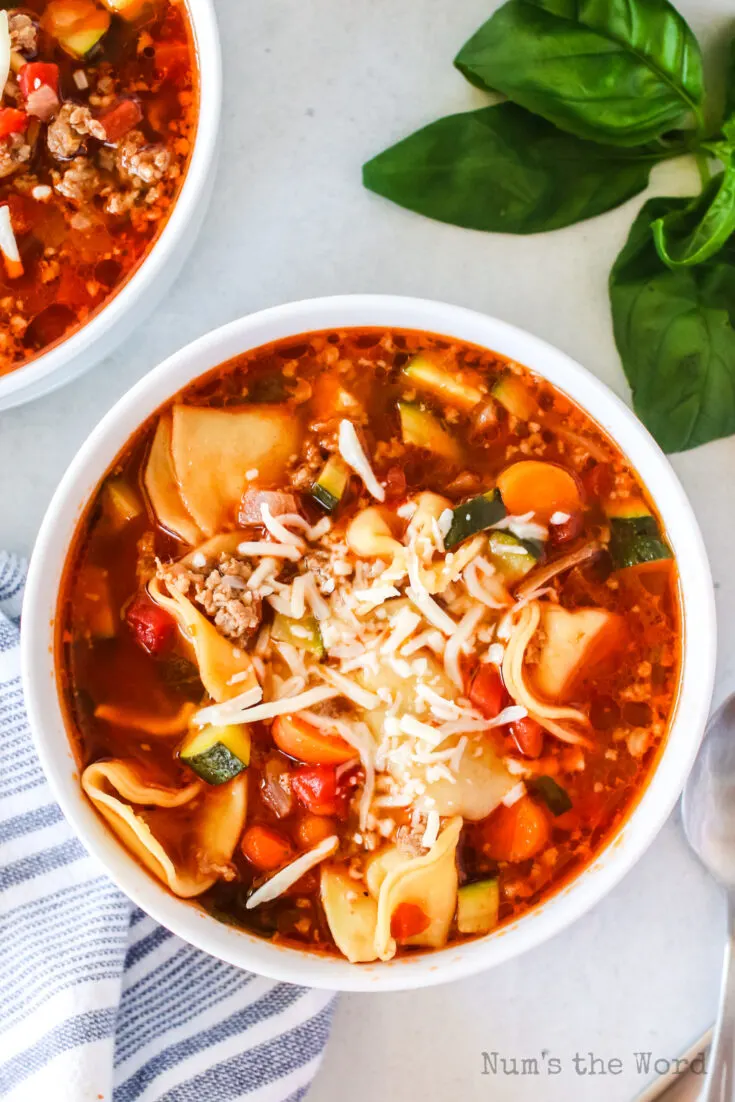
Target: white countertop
pixel 313 88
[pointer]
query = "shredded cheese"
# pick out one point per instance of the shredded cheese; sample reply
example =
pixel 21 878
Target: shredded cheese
pixel 352 452
pixel 233 711
pixel 459 640
pixel 351 689
pixel 432 829
pixel 274 550
pixel 523 528
pixel 279 530
pixel 8 244
pixel 286 878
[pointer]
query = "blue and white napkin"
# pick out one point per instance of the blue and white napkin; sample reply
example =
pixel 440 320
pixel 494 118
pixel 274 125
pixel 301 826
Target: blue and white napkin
pixel 97 1002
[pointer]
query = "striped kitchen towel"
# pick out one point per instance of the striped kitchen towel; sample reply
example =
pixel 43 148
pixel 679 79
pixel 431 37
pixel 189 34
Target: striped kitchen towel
pixel 98 1002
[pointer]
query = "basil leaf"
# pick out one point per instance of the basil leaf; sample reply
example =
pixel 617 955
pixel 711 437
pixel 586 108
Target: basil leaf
pixel 616 71
pixel 675 331
pixel 696 233
pixel 504 170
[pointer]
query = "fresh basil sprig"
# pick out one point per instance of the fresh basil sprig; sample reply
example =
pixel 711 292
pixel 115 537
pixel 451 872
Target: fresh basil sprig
pixel 505 170
pixel 675 332
pixel 599 91
pixel 621 73
pixel 692 235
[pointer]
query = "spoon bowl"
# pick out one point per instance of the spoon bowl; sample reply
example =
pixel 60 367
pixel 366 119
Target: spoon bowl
pixel 708 810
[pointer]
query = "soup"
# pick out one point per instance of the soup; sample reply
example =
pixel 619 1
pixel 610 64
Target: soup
pixel 369 642
pixel 97 118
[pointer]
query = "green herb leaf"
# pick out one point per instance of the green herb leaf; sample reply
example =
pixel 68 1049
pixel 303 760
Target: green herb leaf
pixel 504 170
pixel 675 331
pixel 554 796
pixel 617 71
pixel 694 234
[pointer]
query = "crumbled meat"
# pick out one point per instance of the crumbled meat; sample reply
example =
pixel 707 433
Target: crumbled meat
pixel 145 561
pixel 11 92
pixel 314 450
pixel 320 565
pixel 237 611
pixel 66 134
pixel 409 839
pixel 79 183
pixel 23 33
pixel 15 152
pixel 140 163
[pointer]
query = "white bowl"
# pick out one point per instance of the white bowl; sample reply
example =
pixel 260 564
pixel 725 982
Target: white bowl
pixel 139 294
pixel 621 852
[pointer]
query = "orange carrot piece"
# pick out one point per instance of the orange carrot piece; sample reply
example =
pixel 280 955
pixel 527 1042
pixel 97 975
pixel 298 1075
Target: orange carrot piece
pixel 543 489
pixel 516 833
pixel 407 920
pixel 265 848
pixel 313 829
pixel 301 740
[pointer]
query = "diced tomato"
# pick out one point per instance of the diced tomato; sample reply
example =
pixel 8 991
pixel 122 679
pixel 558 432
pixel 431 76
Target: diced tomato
pixel 487 692
pixel 265 848
pixel 317 789
pixel 12 121
pixel 152 626
pixel 407 920
pixel 528 736
pixel 599 482
pixel 36 74
pixel 119 119
pixel 516 833
pixel 171 59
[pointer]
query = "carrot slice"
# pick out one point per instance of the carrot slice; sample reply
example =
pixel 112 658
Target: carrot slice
pixel 301 740
pixel 265 848
pixel 539 488
pixel 313 829
pixel 516 833
pixel 407 920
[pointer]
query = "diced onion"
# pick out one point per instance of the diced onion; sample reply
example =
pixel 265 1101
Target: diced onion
pixel 286 878
pixel 352 452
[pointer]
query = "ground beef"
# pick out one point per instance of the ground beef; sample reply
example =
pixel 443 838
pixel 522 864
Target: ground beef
pixel 79 183
pixel 139 163
pixel 66 134
pixel 320 565
pixel 237 612
pixel 316 447
pixel 15 152
pixel 23 33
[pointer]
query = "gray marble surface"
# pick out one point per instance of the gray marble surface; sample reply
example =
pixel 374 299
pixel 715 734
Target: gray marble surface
pixel 313 88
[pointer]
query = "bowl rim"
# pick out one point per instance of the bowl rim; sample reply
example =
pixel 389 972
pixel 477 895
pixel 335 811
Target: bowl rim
pixel 622 850
pixel 38 375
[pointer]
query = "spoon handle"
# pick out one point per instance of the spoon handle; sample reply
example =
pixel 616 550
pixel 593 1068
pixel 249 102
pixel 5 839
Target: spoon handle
pixel 720 1083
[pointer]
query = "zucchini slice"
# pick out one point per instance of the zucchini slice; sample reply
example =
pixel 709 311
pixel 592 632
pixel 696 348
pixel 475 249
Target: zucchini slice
pixel 474 516
pixel 121 503
pixel 635 540
pixel 303 634
pixel 423 373
pixel 330 486
pixel 513 396
pixel 514 558
pixel 477 907
pixel 217 754
pixel 554 796
pixel 422 429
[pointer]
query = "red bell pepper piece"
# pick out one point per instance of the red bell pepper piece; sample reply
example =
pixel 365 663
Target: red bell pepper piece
pixel 152 626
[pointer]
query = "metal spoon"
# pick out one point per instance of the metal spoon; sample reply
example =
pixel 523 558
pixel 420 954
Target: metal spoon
pixel 708 811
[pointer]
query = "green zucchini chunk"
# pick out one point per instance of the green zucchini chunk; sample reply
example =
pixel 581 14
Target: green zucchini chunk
pixel 477 907
pixel 329 488
pixel 554 796
pixel 512 557
pixel 217 754
pixel 474 516
pixel 303 634
pixel 635 540
pixel 426 375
